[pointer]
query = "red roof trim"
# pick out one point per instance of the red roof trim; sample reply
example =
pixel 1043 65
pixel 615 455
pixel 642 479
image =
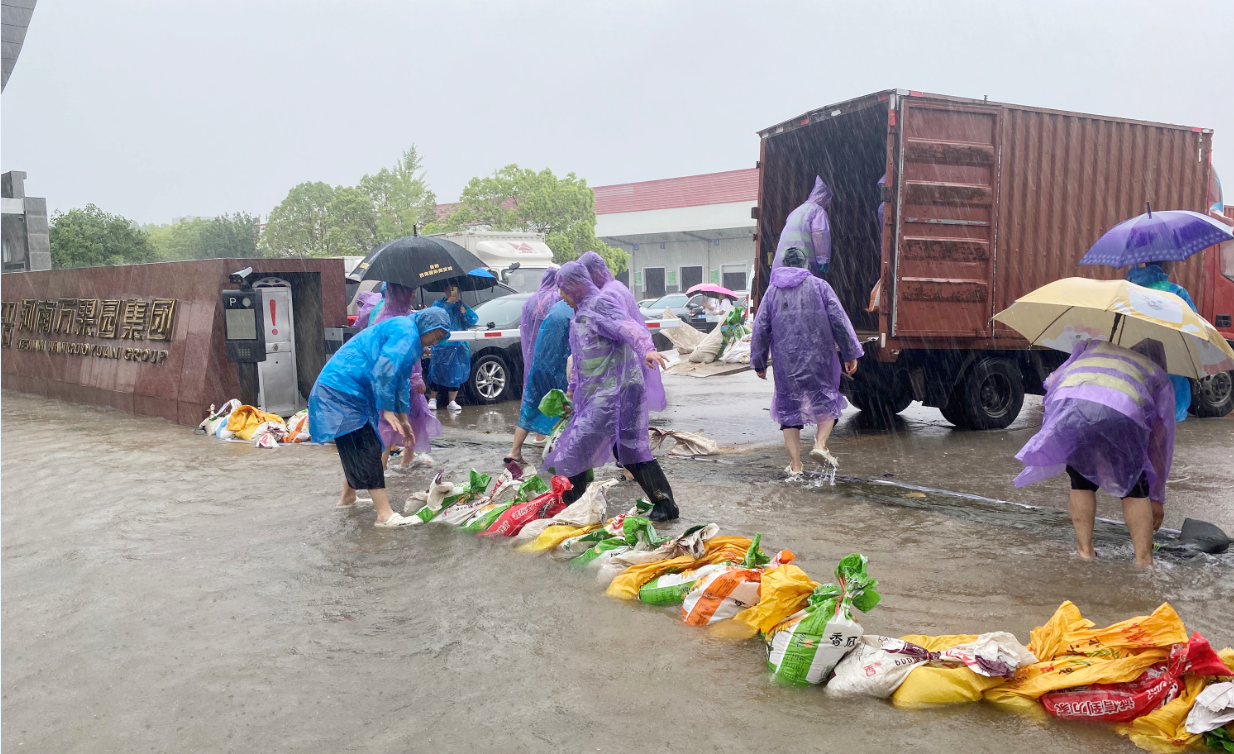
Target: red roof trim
pixel 688 191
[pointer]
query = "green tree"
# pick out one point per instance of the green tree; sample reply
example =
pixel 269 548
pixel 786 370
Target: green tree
pixel 200 238
pixel 298 226
pixel 563 209
pixel 401 197
pixel 90 237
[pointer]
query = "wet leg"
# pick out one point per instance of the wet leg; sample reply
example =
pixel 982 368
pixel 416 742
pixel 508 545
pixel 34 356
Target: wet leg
pixel 792 441
pixel 1083 514
pixel 381 503
pixel 516 449
pixel 385 459
pixel 1138 513
pixel 348 498
pixel 824 432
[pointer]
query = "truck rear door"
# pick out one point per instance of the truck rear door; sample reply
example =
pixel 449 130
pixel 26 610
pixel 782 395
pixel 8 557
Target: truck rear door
pixel 947 196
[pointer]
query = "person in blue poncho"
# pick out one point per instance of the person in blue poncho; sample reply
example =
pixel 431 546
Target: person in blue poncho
pixel 365 381
pixel 450 365
pixel 1156 275
pixel 547 371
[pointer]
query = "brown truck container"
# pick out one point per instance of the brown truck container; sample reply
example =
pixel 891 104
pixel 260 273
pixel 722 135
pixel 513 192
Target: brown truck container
pixel 985 202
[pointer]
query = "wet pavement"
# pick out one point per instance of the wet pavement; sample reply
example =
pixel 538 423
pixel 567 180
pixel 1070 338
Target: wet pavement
pixel 169 592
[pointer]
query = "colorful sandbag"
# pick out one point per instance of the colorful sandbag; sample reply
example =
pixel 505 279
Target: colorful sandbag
pixel 514 518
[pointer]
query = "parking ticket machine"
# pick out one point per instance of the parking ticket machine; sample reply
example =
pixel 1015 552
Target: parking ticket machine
pixel 244 330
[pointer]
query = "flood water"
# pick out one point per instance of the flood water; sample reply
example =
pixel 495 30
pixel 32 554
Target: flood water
pixel 164 591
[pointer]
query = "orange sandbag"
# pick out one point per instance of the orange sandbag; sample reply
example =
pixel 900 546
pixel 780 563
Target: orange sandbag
pixel 719 549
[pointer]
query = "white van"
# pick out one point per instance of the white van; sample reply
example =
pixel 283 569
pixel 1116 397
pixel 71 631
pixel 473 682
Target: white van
pixel 518 259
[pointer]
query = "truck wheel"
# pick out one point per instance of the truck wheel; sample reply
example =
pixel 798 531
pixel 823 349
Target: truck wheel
pixel 883 405
pixel 990 396
pixel 491 379
pixel 1213 396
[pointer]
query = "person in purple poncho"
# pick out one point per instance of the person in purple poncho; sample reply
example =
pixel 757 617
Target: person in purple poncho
pixel 1109 423
pixel 608 393
pixel 535 309
pixel 624 299
pixel 809 229
pixel 801 324
pixel 396 302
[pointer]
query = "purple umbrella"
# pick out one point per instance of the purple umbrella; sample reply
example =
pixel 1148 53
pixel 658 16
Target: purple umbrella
pixel 1169 236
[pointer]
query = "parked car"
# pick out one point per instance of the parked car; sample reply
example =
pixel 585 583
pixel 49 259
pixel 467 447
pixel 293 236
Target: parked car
pixel 497 363
pixel 680 303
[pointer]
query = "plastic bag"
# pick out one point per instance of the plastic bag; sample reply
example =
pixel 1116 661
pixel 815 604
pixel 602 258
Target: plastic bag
pixel 461 511
pixel 298 428
pixel 484 517
pixel 269 434
pixel 244 421
pixel 210 425
pixel 584 512
pixel 692 542
pixel 635 533
pixel 554 403
pixel 513 519
pixel 806 647
pixel 684 443
pixel 627 584
pixel 722 594
pixel 1123 702
pixel 876 667
pixel 429 500
pixel 738 353
pixel 476 484
pixel 1214 707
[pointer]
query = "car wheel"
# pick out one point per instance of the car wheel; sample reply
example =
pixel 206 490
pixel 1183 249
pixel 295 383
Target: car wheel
pixel 989 397
pixel 1213 396
pixel 491 379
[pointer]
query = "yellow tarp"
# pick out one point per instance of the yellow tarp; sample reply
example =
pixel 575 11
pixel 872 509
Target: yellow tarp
pixel 245 419
pixel 927 685
pixel 784 591
pixel 553 536
pixel 719 549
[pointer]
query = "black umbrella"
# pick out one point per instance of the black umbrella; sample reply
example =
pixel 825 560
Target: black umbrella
pixel 415 261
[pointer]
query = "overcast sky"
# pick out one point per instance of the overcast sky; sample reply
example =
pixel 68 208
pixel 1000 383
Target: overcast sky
pixel 167 108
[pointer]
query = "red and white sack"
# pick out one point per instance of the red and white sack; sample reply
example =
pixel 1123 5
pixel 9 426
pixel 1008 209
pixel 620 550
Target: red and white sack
pixel 269 434
pixel 586 511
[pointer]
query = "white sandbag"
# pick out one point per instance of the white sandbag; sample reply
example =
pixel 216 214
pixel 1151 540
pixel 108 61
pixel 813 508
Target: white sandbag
pixel 876 667
pixel 459 513
pixel 269 434
pixel 1214 707
pixel 707 349
pixel 992 654
pixel 210 425
pixel 692 542
pixel 738 353
pixel 685 338
pixel 425 505
pixel 587 510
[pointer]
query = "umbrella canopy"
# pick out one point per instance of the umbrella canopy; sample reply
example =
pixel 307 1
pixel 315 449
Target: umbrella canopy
pixel 1066 311
pixel 415 261
pixel 1169 236
pixel 713 289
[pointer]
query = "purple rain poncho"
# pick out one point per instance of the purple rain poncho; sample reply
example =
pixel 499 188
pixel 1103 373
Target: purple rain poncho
pixel 1109 414
pixel 367 300
pixel 396 302
pixel 808 228
pixel 369 374
pixel 801 323
pixel 535 309
pixel 624 299
pixel 610 398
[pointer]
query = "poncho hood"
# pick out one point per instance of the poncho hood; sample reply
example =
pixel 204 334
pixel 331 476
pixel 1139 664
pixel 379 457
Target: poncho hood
pixel 576 280
pixel 432 318
pixel 821 195
pixel 788 277
pixel 597 267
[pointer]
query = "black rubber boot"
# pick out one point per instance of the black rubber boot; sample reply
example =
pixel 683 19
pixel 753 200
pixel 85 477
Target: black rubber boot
pixel 578 484
pixel 651 478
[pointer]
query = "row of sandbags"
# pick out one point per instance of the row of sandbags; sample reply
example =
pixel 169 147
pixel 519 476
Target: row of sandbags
pixel 240 423
pixel 1157 685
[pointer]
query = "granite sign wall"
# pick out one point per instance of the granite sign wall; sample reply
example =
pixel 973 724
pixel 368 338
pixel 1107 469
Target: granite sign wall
pixel 148 338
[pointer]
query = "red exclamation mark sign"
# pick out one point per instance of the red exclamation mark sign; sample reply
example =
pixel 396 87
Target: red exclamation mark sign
pixel 273 321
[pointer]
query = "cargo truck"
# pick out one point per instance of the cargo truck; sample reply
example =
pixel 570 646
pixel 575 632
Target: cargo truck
pixel 984 202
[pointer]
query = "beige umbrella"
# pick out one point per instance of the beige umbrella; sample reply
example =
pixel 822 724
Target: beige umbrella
pixel 1067 311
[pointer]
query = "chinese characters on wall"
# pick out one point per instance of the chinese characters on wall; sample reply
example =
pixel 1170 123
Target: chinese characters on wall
pixel 130 320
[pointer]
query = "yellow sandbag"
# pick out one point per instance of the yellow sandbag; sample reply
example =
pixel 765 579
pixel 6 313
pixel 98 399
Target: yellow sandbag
pixel 784 591
pixel 626 584
pixel 1047 641
pixel 1069 671
pixel 1011 702
pixel 553 536
pixel 927 685
pixel 1161 629
pixel 245 419
pixel 1164 730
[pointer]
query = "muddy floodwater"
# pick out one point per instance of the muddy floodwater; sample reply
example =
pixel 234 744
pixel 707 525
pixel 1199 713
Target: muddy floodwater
pixel 164 591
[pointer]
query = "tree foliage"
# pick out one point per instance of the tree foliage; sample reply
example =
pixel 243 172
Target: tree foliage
pixel 519 199
pixel 317 220
pixel 201 238
pixel 90 237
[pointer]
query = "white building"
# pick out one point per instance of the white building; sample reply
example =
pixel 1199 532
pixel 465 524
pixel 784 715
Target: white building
pixel 682 231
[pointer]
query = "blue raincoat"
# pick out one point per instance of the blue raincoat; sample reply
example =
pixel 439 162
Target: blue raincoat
pixel 369 374
pixel 1152 276
pixel 809 228
pixel 547 368
pixel 450 365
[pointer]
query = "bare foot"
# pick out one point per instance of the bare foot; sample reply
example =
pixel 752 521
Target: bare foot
pixel 348 500
pixel 1090 555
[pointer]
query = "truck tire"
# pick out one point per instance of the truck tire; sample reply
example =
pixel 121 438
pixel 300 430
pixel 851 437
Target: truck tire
pixel 990 396
pixel 1213 396
pixel 880 404
pixel 492 379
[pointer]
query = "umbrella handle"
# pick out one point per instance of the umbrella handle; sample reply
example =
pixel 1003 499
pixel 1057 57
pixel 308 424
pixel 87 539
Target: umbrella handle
pixel 1149 206
pixel 1117 319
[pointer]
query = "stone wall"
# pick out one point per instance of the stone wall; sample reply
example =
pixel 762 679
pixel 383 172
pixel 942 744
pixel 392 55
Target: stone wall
pixel 126 357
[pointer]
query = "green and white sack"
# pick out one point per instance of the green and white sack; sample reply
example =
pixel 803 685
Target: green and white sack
pixel 484 518
pixel 692 542
pixel 806 647
pixel 672 588
pixel 586 511
pixel 459 513
pixel 575 546
pixel 636 533
pixel 436 502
